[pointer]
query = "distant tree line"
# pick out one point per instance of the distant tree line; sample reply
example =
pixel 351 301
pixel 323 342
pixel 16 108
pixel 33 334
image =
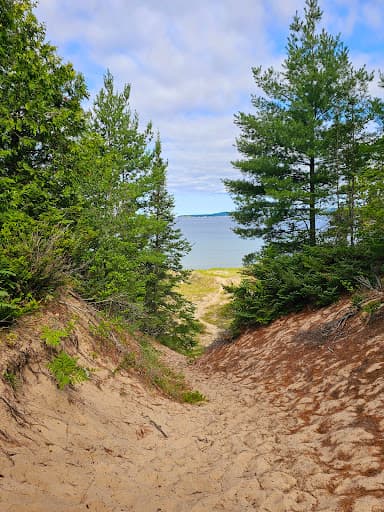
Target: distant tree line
pixel 83 195
pixel 312 164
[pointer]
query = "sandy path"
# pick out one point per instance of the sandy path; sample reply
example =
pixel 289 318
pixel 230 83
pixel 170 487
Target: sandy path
pixel 120 449
pixel 279 432
pixel 218 297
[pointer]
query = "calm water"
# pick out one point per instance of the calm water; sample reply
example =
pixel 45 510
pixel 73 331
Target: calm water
pixel 213 242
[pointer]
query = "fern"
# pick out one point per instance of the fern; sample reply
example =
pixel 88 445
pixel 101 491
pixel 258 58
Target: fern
pixel 66 370
pixel 53 337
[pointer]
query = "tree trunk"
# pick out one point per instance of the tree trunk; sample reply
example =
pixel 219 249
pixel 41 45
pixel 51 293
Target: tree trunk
pixel 312 202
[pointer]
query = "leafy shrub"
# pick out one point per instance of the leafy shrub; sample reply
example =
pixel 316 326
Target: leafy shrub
pixel 278 284
pixel 66 370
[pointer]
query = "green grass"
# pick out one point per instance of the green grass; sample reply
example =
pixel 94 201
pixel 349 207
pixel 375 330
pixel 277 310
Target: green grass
pixel 148 364
pixel 203 282
pixel 198 286
pixel 221 272
pixel 219 315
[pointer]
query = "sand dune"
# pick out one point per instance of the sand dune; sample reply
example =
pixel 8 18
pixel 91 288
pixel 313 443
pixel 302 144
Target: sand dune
pixel 294 422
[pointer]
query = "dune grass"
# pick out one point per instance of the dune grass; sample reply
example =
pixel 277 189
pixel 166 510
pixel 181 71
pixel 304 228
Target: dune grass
pixel 204 282
pixel 207 286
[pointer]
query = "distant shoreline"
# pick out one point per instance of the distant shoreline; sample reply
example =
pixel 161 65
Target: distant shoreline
pixel 219 214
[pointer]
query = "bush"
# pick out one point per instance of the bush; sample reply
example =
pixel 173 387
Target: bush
pixel 279 284
pixel 32 265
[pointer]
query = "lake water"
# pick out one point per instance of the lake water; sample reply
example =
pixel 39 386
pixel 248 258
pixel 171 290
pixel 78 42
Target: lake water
pixel 214 244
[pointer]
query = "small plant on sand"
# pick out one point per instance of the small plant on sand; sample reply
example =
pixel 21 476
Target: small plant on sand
pixel 129 361
pixel 52 337
pixel 66 370
pixel 147 363
pixel 11 379
pixel 11 339
pixel 193 397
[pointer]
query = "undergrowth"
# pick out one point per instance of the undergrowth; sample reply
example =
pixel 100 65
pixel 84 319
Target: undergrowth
pixel 147 363
pixel 278 284
pixel 11 379
pixel 53 337
pixel 66 370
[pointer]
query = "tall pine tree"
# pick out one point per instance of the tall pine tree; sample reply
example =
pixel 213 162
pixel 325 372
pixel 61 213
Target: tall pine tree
pixel 127 239
pixel 170 316
pixel 289 181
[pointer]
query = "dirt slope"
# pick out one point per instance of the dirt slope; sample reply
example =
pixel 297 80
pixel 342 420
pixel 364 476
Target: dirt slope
pixel 294 422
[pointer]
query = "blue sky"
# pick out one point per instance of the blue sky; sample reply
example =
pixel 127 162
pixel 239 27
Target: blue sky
pixel 189 65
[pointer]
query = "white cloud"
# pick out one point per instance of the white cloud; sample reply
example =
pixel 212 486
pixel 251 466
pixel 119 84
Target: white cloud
pixel 190 63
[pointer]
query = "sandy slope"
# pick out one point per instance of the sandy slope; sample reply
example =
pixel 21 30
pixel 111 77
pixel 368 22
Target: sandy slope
pixel 294 422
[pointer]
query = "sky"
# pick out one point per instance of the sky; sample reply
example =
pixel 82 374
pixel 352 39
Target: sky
pixel 190 69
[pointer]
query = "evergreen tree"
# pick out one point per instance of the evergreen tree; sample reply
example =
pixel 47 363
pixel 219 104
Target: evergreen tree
pixel 127 239
pixel 114 159
pixel 286 142
pixel 40 116
pixel 350 147
pixel 312 149
pixel 169 314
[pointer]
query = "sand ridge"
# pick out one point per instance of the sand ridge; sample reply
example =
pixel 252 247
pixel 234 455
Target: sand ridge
pixel 290 425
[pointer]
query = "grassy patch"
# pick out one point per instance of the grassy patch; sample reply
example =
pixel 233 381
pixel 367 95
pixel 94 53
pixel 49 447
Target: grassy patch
pixel 221 272
pixel 204 282
pixel 193 397
pixel 219 315
pixel 198 286
pixel 148 365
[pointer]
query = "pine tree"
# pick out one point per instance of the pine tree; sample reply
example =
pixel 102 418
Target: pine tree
pixel 119 158
pixel 170 316
pixel 127 239
pixel 40 116
pixel 289 180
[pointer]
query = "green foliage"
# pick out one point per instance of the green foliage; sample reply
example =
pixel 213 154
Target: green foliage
pixel 357 299
pixel 11 339
pixel 34 264
pixel 128 247
pixel 372 306
pixel 148 364
pixel 53 337
pixel 278 284
pixel 193 397
pixel 82 196
pixel 40 117
pixel 11 379
pixel 66 370
pixel 129 361
pixel 312 164
pixel 105 328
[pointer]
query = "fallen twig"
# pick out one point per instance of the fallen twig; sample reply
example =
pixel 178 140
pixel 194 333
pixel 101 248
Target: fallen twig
pixel 158 427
